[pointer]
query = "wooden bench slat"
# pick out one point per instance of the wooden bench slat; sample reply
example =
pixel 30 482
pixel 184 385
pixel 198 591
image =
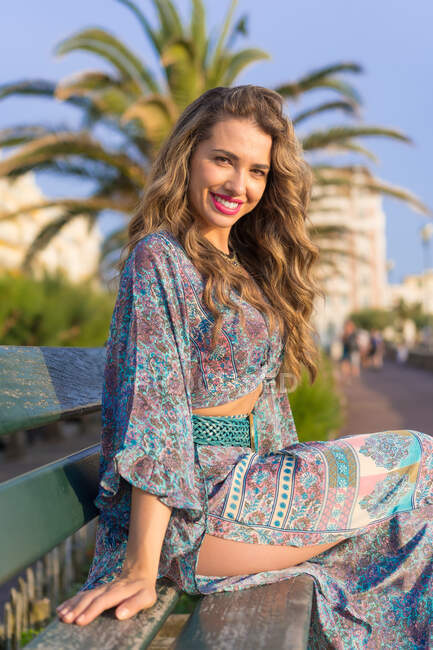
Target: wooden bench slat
pixel 268 616
pixel 43 384
pixel 107 631
pixel 39 509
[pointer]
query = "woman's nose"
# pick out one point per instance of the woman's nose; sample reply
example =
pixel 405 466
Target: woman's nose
pixel 236 183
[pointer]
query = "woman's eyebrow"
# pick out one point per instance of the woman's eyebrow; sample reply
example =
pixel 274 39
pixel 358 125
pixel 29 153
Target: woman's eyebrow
pixel 232 155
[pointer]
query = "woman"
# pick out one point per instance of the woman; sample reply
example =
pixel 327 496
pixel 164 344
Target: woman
pixel 202 478
pixel 376 351
pixel 351 356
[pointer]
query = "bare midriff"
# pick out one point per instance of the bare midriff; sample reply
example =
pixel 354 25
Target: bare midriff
pixel 243 405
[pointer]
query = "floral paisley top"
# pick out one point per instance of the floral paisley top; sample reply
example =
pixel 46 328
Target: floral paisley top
pixel 159 366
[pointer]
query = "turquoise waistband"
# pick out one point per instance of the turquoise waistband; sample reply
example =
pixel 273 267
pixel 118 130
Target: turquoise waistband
pixel 224 430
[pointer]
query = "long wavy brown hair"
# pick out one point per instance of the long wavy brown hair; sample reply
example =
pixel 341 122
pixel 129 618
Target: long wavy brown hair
pixel 271 242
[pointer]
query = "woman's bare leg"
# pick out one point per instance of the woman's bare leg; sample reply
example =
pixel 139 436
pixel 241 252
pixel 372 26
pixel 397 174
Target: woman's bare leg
pixel 224 557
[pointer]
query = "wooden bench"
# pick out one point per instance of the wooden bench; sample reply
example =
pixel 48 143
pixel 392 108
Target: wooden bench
pixel 41 508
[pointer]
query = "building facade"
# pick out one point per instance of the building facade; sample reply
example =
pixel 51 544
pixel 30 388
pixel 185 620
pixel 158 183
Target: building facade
pixel 73 251
pixel 414 289
pixel 358 279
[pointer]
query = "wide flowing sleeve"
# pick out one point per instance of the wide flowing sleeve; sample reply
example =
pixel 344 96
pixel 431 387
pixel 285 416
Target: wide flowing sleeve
pixel 146 401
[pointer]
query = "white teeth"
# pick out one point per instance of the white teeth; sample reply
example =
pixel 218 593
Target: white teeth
pixel 231 205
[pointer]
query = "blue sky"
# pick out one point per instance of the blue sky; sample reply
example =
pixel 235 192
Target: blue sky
pixel 391 40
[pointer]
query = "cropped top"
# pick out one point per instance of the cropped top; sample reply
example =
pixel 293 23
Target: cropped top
pixel 159 366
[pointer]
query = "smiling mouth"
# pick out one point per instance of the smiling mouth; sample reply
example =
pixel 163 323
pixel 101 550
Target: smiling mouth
pixel 225 204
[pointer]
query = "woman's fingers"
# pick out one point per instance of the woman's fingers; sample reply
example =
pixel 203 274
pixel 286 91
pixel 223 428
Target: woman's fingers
pixel 129 595
pixel 144 599
pixel 112 597
pixel 70 609
pixel 82 601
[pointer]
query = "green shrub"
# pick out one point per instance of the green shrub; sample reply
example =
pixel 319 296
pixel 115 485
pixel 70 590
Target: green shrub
pixel 28 636
pixel 372 318
pixel 52 311
pixel 316 407
pixel 186 604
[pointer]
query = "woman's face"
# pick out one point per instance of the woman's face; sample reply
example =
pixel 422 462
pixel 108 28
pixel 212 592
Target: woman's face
pixel 228 174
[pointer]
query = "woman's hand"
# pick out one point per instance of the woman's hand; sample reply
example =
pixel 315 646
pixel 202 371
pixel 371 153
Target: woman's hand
pixel 130 592
pixel 134 588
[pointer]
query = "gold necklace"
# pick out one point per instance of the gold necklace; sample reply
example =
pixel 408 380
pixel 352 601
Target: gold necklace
pixel 231 257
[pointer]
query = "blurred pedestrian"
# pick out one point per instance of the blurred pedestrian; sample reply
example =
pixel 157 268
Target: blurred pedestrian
pixel 402 352
pixel 364 345
pixel 376 351
pixel 351 356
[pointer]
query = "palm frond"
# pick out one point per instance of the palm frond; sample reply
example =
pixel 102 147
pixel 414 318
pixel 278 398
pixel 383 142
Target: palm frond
pixel 108 95
pixel 350 178
pixel 94 171
pixel 198 30
pixel 102 43
pixel 151 34
pixel 351 146
pixel 377 185
pixel 325 71
pixel 318 230
pixel 221 42
pixel 241 60
pixel 38 88
pixel 240 27
pixel 156 114
pixel 43 238
pixel 23 133
pixel 333 135
pixel 70 144
pixel 184 77
pixel 347 107
pixel 171 23
pixel 329 254
pixel 92 204
pixel 85 82
pixel 321 79
pixel 177 52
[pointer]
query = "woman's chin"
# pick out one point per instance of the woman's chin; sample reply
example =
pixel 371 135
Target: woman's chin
pixel 218 220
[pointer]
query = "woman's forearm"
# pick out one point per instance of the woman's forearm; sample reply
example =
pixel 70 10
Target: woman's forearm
pixel 147 526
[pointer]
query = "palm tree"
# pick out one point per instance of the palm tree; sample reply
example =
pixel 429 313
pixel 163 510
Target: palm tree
pixel 141 110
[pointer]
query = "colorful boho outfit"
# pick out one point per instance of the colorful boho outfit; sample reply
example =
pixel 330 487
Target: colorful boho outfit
pixel 374 491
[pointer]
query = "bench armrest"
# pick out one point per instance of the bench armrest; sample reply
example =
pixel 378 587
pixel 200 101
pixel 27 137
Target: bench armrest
pixel 107 632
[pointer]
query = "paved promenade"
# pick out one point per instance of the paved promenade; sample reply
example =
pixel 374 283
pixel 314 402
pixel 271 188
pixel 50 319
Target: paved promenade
pixel 394 397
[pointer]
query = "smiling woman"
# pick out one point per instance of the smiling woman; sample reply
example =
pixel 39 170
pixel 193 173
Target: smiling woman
pixel 202 477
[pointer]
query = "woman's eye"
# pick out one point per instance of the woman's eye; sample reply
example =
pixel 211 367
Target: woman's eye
pixel 222 159
pixel 259 171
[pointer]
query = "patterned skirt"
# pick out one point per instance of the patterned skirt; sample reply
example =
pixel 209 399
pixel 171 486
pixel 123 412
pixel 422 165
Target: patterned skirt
pixel 374 492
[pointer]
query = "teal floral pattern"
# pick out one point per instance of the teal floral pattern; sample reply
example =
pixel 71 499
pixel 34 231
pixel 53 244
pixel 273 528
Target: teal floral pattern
pixel 388 450
pixel 385 495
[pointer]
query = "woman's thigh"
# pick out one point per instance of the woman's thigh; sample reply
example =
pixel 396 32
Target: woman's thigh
pixel 225 557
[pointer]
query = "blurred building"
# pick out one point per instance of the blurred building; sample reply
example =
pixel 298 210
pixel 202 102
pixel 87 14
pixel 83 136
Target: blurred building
pixel 359 278
pixel 74 250
pixel 414 289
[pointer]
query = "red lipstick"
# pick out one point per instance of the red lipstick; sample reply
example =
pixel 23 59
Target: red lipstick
pixel 224 208
pixel 228 198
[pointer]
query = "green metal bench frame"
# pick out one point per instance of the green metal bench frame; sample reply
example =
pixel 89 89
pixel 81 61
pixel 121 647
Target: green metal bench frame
pixel 41 508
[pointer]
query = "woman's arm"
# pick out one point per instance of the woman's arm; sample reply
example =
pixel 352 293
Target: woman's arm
pixel 134 589
pixel 146 427
pixel 147 527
